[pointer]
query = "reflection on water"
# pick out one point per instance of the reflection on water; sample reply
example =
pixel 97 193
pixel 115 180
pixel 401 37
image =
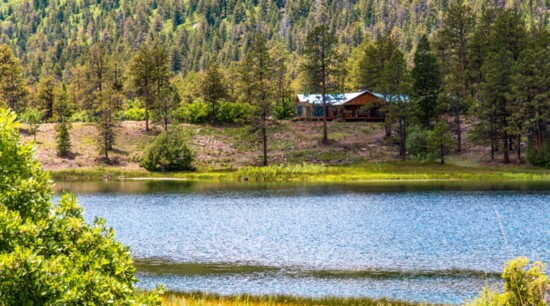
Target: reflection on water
pixel 438 242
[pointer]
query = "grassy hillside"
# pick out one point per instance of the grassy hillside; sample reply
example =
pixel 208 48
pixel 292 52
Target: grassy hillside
pixel 357 152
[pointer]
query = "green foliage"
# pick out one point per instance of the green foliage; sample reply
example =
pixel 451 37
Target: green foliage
pixel 213 89
pixel 32 117
pixel 234 112
pixel 169 152
pixel 12 90
pixel 322 66
pixel 524 285
pixel 539 157
pixel 49 255
pixel 440 141
pixel 426 81
pixel 417 143
pixel 63 139
pixel 195 112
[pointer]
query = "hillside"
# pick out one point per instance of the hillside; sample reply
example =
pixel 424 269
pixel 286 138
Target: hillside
pixel 55 35
pixel 228 147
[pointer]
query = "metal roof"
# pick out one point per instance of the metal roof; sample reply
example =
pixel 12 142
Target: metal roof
pixel 334 99
pixel 343 98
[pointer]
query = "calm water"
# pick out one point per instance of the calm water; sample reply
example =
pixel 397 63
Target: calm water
pixel 426 241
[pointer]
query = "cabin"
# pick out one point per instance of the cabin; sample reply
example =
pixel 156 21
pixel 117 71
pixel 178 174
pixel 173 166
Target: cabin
pixel 355 106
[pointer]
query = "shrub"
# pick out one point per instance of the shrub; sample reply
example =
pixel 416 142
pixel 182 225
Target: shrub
pixel 234 112
pixel 32 117
pixel 169 152
pixel 539 157
pixel 196 112
pixel 417 143
pixel 523 285
pixel 49 255
pixel 132 114
pixel 82 116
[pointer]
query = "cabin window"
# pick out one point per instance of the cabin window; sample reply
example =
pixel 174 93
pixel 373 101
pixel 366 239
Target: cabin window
pixel 300 110
pixel 318 111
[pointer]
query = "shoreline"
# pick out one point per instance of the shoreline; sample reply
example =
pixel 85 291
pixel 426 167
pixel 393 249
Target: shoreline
pixel 361 173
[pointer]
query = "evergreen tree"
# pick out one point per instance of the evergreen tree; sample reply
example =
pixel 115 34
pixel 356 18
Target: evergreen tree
pixel 62 111
pixel 530 109
pixel 107 99
pixel 395 85
pixel 63 139
pixel 167 104
pixel 45 96
pixel 494 92
pixel 213 89
pixel 282 81
pixel 32 117
pixel 259 75
pixel 142 77
pixel 440 141
pixel 426 81
pixel 454 40
pixel 321 62
pixel 12 89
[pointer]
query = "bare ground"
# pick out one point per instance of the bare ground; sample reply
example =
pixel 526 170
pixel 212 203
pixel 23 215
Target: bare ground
pixel 229 147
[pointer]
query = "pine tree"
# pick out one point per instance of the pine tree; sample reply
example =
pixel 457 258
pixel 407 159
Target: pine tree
pixel 395 85
pixel 259 75
pixel 440 141
pixel 63 139
pixel 321 61
pixel 494 91
pixel 61 113
pixel 426 81
pixel 142 77
pixel 213 89
pixel 530 109
pixel 453 42
pixel 282 81
pixel 107 99
pixel 45 96
pixel 12 89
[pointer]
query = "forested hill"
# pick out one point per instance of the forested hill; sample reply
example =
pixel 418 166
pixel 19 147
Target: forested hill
pixel 53 35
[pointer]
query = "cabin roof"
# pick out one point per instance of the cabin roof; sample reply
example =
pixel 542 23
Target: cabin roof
pixel 334 99
pixel 343 98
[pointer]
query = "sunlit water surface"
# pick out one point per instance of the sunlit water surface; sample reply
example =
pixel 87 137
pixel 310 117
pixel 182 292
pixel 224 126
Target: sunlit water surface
pixel 423 242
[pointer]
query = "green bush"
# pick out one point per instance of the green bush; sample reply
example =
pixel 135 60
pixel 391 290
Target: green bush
pixel 134 110
pixel 132 114
pixel 234 112
pixel 417 143
pixel 539 157
pixel 82 116
pixel 169 152
pixel 523 285
pixel 49 255
pixel 196 112
pixel 227 112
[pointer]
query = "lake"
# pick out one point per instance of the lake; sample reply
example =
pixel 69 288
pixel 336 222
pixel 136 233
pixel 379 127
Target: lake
pixel 423 241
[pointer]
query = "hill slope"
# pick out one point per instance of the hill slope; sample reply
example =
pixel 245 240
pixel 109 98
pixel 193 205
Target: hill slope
pixel 56 34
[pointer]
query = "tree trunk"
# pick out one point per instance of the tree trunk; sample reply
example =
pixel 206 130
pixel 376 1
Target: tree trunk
pixel 519 149
pixel 264 138
pixel 458 127
pixel 146 115
pixel 441 152
pixel 505 148
pixel 403 138
pixel 325 129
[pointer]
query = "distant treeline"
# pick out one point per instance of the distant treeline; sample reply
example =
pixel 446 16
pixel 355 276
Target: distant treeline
pixel 243 61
